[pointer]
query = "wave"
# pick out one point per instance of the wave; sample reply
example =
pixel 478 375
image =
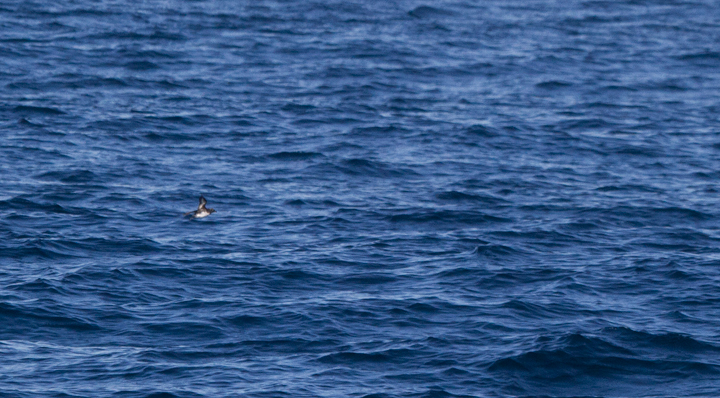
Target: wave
pixel 55 248
pixel 553 85
pixel 361 168
pixel 423 12
pixel 455 196
pixel 595 361
pixel 446 216
pixel 292 156
pixel 38 110
pixel 21 320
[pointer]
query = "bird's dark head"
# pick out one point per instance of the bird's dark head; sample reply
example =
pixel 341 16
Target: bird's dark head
pixel 212 211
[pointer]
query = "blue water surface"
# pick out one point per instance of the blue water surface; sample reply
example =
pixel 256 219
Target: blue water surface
pixel 414 198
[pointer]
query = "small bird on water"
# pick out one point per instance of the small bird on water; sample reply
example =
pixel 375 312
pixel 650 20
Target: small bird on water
pixel 201 211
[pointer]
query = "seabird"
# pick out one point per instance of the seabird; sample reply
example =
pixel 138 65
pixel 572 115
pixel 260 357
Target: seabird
pixel 202 211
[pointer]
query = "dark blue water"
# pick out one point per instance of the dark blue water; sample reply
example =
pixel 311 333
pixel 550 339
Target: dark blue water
pixel 414 199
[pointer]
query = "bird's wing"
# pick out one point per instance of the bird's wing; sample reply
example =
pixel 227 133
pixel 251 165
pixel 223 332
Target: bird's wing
pixel 202 204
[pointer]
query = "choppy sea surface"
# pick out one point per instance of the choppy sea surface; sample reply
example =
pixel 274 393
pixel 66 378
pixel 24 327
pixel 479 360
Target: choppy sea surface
pixel 414 198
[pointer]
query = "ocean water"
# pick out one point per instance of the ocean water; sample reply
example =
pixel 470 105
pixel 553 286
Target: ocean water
pixel 414 198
